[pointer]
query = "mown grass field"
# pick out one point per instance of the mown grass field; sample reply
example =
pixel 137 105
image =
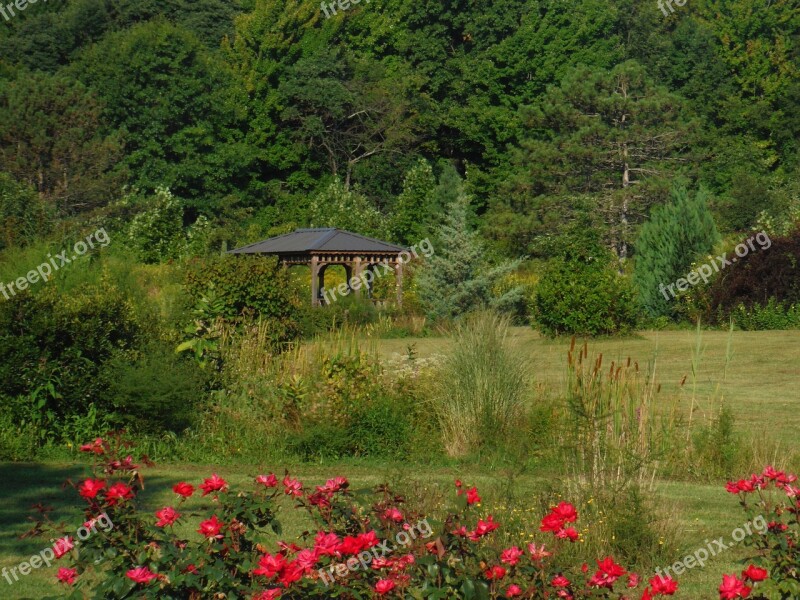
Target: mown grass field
pixel 760 382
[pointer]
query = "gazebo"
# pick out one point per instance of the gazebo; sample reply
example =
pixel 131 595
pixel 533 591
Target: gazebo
pixel 321 248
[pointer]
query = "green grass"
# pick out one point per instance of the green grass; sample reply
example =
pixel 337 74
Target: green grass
pixel 759 384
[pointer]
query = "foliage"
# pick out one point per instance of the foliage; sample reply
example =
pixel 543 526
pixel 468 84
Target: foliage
pixel 337 206
pixel 240 288
pixel 154 390
pixel 676 234
pixel 584 298
pixel 61 342
pixel 23 215
pixel 411 213
pixel 481 387
pixel 156 233
pixel 52 137
pixel 772 315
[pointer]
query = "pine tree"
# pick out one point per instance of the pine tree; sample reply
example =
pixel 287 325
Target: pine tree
pixel 457 278
pixel 675 236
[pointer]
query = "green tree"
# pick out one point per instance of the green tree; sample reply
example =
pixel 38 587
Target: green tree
pixel 167 93
pixel 336 206
pixel 51 138
pixel 458 279
pixel 613 134
pixel 674 237
pixel 411 214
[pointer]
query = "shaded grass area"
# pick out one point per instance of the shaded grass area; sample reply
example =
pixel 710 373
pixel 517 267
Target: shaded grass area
pixel 701 511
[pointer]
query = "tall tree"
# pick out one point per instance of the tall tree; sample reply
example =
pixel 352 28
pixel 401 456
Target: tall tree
pixel 613 134
pixel 411 213
pixel 51 138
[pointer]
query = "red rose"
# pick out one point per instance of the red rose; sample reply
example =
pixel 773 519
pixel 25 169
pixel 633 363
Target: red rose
pixel 117 493
pixel 495 572
pixel 292 487
pixel 384 586
pixel 665 586
pixel 167 516
pixel 513 591
pixel 67 576
pixel 472 496
pixel 270 565
pixel 141 575
pixel 183 489
pixel 62 545
pixel 560 581
pixel 268 481
pixel 210 528
pixel 754 573
pixel 91 487
pixel 511 556
pixel 732 588
pixel 215 483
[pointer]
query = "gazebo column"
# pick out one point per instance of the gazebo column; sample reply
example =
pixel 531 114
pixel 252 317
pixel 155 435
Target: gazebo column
pixel 357 268
pixel 315 283
pixel 398 272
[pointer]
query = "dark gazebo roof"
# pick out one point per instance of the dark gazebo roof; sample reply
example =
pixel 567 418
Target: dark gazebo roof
pixel 328 239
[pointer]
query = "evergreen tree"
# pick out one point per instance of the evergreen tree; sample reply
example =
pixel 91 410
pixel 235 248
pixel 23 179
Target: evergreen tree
pixel 457 278
pixel 412 212
pixel 676 234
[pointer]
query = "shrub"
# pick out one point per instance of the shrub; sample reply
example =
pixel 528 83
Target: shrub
pixel 23 214
pixel 576 297
pixel 481 386
pixel 155 390
pixel 61 340
pixel 768 278
pixel 246 287
pixel 772 315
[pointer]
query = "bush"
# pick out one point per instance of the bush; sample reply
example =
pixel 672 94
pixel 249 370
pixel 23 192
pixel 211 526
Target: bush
pixel 63 341
pixel 580 298
pixel 245 287
pixel 773 315
pixel 156 390
pixel 766 282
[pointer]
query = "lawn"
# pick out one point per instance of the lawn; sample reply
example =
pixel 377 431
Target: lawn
pixel 759 382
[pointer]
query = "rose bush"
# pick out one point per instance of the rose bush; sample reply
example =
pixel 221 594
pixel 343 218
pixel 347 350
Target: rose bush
pixel 235 550
pixel 775 574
